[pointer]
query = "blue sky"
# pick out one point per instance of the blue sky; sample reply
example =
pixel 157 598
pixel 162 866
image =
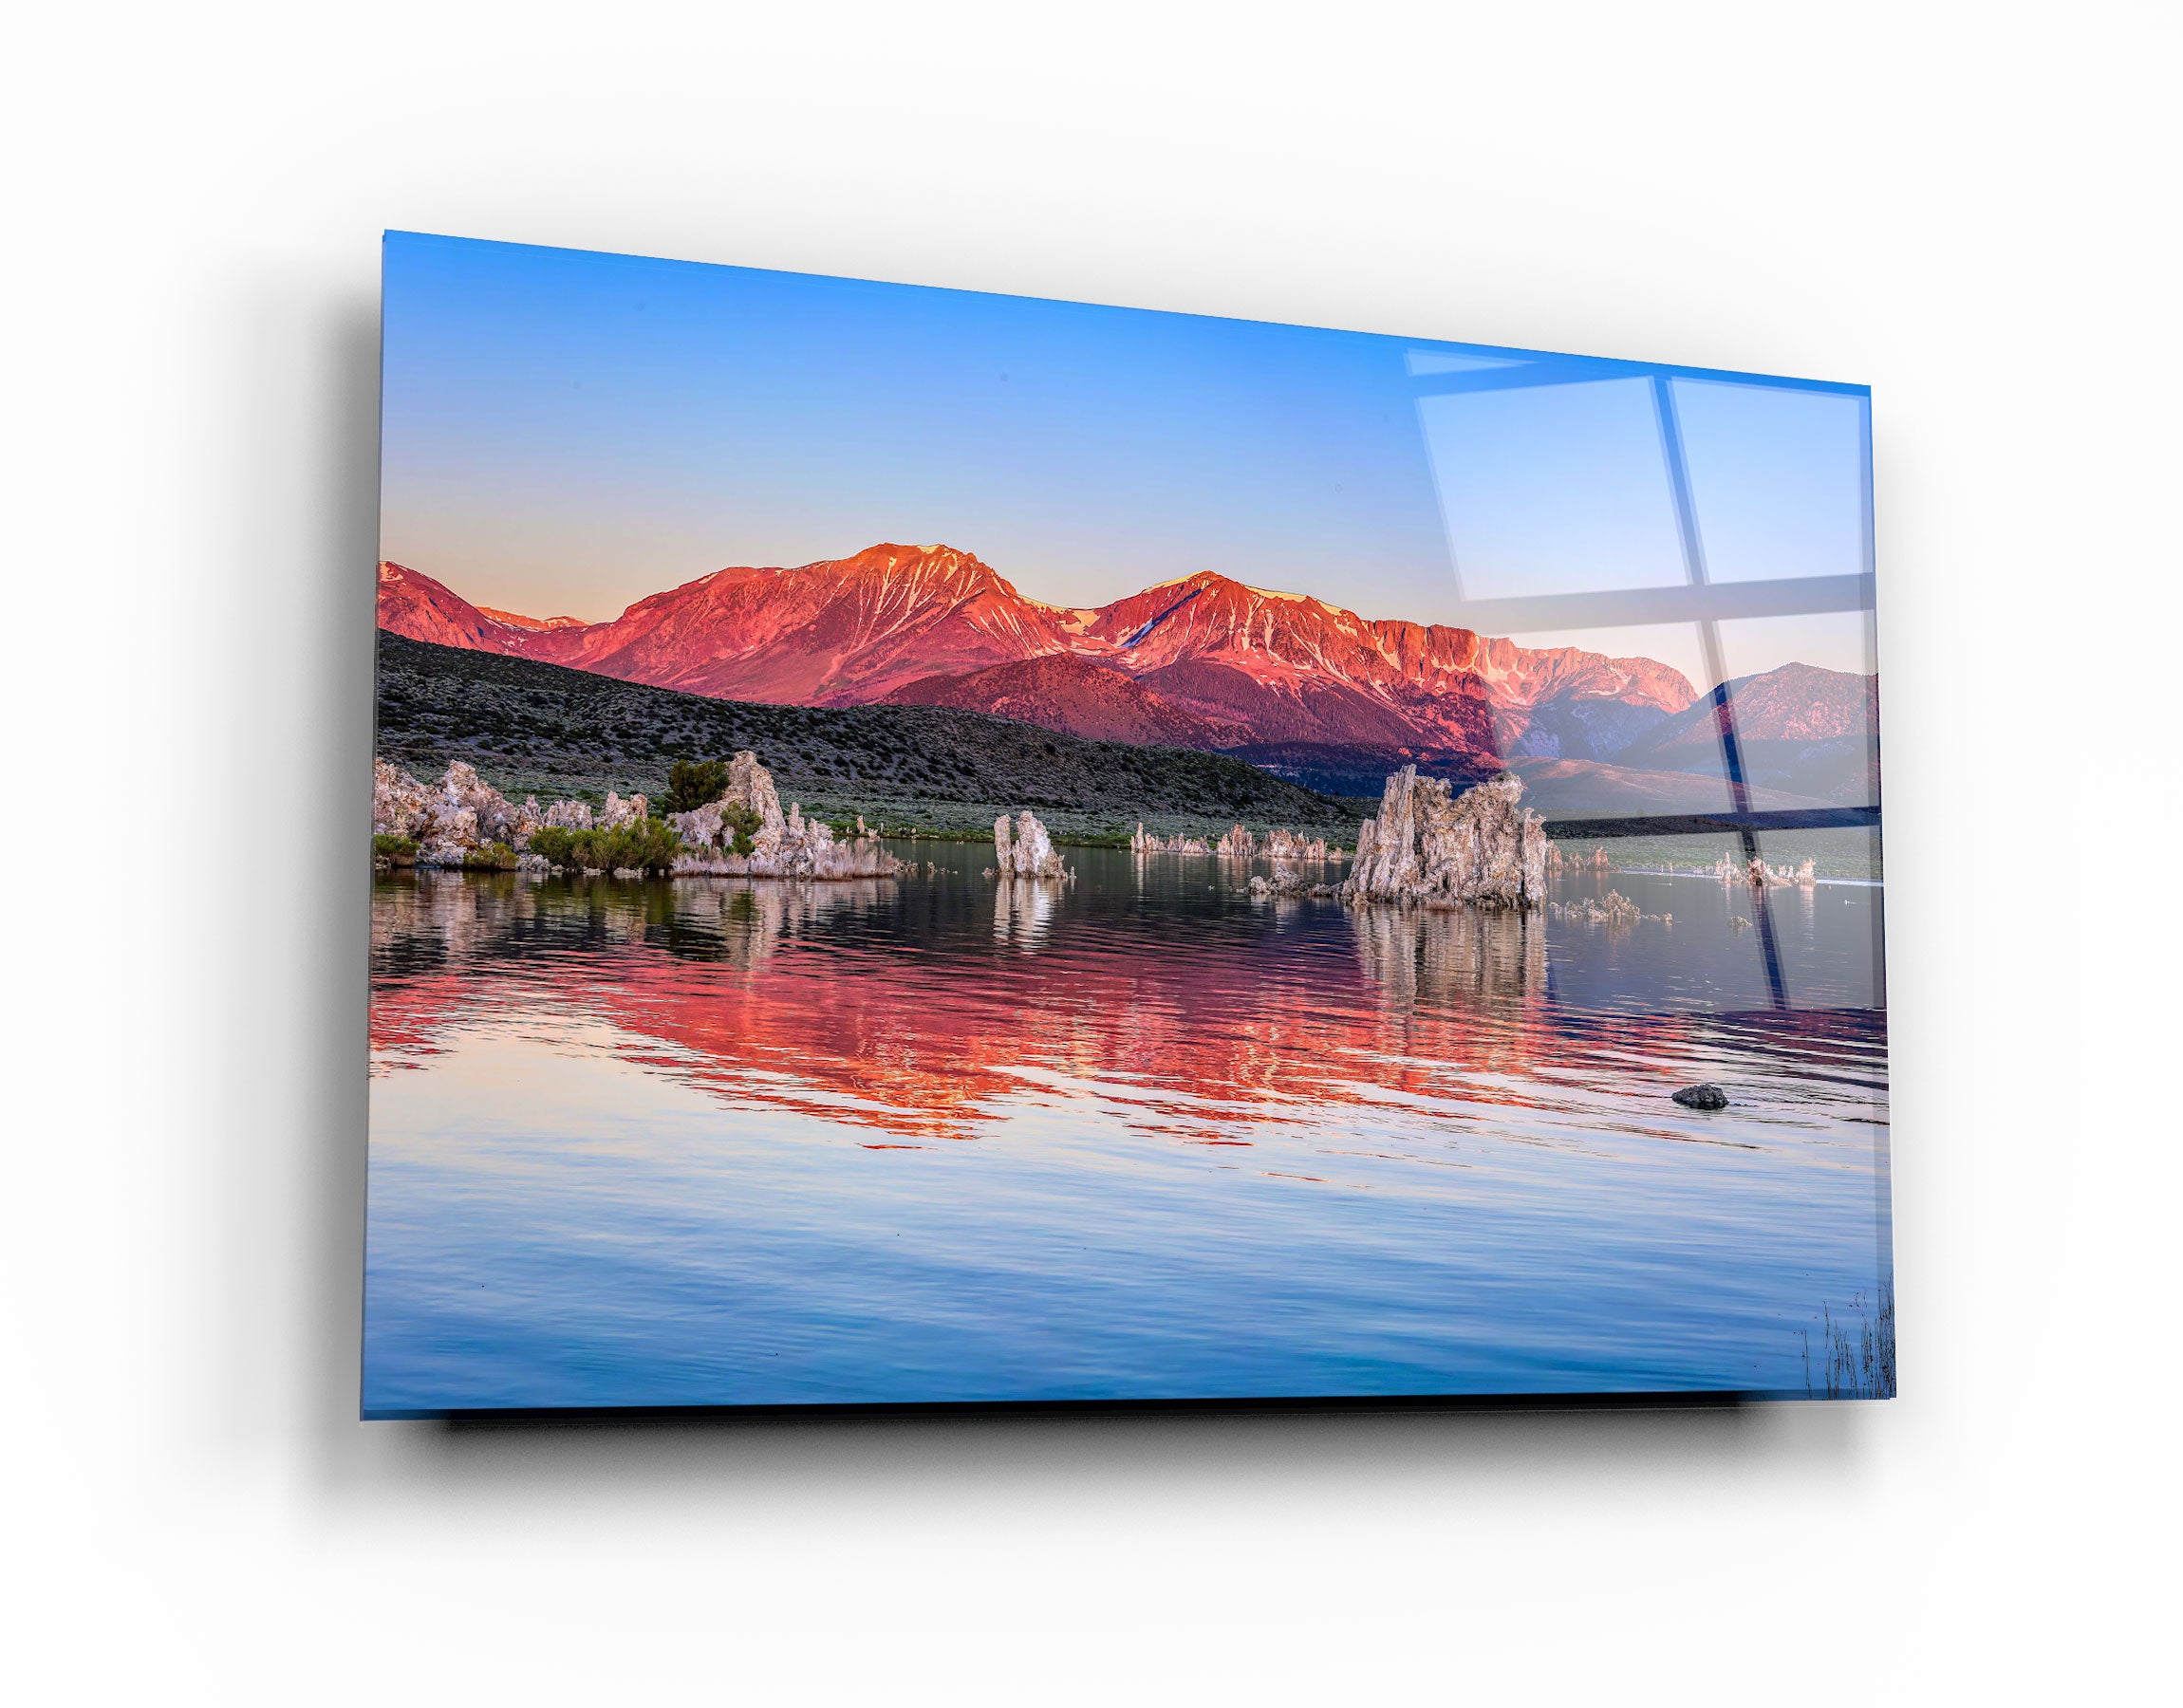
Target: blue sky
pixel 566 432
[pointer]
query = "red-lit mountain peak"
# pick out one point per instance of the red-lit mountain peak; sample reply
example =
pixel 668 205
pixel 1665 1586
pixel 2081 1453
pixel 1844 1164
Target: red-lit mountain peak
pixel 534 624
pixel 413 603
pixel 1209 613
pixel 1225 664
pixel 838 632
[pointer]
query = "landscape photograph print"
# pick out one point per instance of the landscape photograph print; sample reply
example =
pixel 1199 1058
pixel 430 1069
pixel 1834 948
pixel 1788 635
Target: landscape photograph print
pixel 938 849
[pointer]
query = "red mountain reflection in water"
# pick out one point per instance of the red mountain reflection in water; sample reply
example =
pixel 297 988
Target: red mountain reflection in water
pixel 771 991
pixel 916 1010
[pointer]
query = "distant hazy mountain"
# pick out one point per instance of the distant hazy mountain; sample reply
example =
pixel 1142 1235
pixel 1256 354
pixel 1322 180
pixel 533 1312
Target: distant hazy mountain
pixel 1797 727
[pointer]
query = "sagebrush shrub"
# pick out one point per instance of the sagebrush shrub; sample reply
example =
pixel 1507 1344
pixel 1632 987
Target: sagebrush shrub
pixel 645 844
pixel 693 783
pixel 740 824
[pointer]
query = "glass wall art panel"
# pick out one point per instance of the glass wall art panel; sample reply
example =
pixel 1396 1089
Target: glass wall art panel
pixel 933 848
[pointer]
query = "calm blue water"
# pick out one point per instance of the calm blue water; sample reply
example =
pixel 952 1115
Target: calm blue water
pixel 715 1141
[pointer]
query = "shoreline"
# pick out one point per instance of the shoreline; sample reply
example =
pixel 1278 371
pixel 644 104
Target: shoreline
pixel 387 870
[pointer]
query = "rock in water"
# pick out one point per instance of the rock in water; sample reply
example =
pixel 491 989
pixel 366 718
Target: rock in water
pixel 1283 845
pixel 1024 849
pixel 1614 909
pixel 461 815
pixel 1702 1097
pixel 618 812
pixel 1035 855
pixel 1759 875
pixel 1237 844
pixel 1145 841
pixel 400 805
pixel 784 844
pixel 1429 844
pixel 750 786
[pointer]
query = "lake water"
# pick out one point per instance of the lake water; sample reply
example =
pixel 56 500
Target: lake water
pixel 722 1142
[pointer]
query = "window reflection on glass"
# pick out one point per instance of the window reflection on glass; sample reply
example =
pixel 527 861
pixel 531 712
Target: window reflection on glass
pixel 1553 489
pixel 1420 363
pixel 1778 478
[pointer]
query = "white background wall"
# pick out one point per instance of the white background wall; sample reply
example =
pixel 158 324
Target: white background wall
pixel 1970 207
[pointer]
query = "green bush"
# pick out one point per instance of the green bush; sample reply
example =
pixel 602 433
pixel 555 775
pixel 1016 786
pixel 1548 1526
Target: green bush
pixel 740 824
pixel 647 844
pixel 693 783
pixel 395 851
pixel 557 842
pixel 492 856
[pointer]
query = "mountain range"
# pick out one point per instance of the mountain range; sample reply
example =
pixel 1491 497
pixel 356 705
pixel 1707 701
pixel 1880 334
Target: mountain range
pixel 1298 686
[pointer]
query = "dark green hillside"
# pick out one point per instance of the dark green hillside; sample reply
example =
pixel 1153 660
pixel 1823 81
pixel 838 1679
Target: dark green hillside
pixel 531 728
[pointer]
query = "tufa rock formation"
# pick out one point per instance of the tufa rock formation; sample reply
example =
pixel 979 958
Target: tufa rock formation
pixel 1236 844
pixel 783 846
pixel 1144 842
pixel 463 814
pixel 617 812
pixel 400 805
pixel 1614 909
pixel 1284 844
pixel 1287 881
pixel 1432 846
pixel 1026 851
pixel 459 815
pixel 1759 875
pixel 1286 851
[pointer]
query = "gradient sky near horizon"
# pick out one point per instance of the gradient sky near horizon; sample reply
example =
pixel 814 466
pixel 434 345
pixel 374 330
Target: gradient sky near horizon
pixel 566 432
